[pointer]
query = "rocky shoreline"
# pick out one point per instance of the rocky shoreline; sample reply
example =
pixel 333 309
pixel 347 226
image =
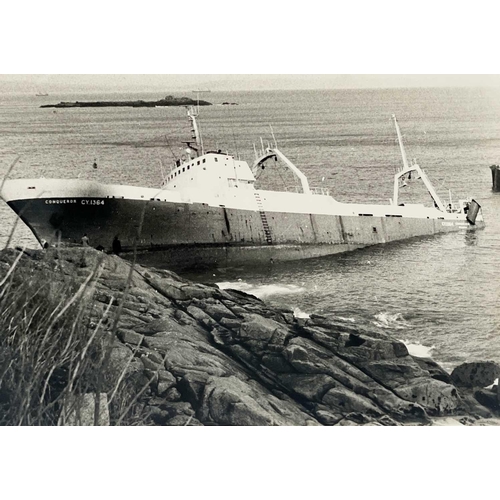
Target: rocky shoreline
pixel 167 101
pixel 193 354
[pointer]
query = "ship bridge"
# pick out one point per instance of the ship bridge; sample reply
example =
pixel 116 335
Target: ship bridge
pixel 213 171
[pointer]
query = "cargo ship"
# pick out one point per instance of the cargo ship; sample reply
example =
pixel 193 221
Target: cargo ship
pixel 208 212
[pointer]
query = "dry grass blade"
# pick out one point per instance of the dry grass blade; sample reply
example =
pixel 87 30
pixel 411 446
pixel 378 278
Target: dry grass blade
pixel 11 270
pixel 9 170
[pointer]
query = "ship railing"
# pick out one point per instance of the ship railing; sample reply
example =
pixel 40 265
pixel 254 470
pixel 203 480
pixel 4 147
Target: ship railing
pixel 322 191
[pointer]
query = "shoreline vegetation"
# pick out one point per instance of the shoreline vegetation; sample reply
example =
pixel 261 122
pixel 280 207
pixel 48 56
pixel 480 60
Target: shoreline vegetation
pixel 167 101
pixel 88 338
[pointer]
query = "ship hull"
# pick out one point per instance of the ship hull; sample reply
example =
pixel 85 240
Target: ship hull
pixel 185 235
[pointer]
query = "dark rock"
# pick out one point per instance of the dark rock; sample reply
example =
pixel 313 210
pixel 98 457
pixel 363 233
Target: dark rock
pixel 197 291
pixel 157 415
pixel 165 382
pixel 192 385
pixel 438 398
pixel 153 356
pixel 122 360
pixel 177 408
pixel 218 311
pixel 130 337
pixel 172 395
pixel 276 363
pixel 434 370
pixel 476 374
pixel 343 401
pixel 183 420
pixel 355 418
pixel 474 408
pixel 231 401
pixel 151 364
pixel 244 355
pixel 201 316
pixel 372 349
pixel 163 324
pixel 231 324
pixel 309 387
pixel 395 372
pixel 183 318
pixel 327 417
pixel 386 420
pixel 221 336
pixel 488 398
pixel 258 328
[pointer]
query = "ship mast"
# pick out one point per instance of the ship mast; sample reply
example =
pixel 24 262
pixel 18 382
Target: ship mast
pixel 192 114
pixel 401 145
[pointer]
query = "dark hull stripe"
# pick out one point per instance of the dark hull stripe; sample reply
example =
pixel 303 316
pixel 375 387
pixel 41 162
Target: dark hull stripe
pixel 206 235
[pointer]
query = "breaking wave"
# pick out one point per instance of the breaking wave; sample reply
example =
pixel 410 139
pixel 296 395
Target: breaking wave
pixel 418 350
pixel 342 318
pixel 261 291
pixel 393 321
pixel 298 313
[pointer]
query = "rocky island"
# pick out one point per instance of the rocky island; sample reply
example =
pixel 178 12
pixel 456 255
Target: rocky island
pixel 88 338
pixel 167 101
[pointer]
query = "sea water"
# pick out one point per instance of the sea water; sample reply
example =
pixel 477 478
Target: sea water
pixel 438 294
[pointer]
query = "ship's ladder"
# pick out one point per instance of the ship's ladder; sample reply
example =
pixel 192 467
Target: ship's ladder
pixel 263 218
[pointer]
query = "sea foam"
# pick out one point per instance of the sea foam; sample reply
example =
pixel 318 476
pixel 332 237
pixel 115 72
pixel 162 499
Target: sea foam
pixel 394 321
pixel 261 291
pixel 418 350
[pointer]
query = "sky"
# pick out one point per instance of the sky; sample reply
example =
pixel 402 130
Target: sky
pixel 258 45
pixel 232 82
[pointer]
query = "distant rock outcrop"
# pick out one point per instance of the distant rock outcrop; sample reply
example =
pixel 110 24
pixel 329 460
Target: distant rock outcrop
pixel 167 101
pixel 223 357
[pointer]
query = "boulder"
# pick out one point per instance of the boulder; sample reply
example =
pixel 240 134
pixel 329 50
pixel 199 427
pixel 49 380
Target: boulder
pixel 436 397
pixel 476 374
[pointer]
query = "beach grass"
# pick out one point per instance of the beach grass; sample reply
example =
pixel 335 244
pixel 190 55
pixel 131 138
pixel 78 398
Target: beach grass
pixel 56 347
